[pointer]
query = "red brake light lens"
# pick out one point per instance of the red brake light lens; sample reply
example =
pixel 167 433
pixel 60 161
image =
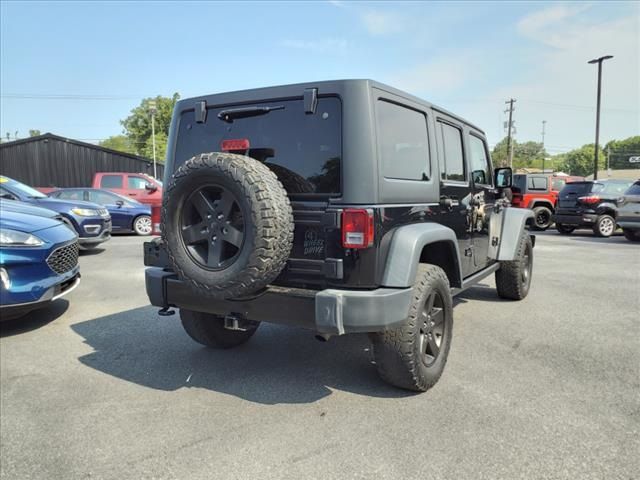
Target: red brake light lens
pixel 357 228
pixel 589 200
pixel 234 144
pixel 155 220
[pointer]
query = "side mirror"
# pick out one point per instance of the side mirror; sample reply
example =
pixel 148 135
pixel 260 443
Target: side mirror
pixel 150 187
pixel 503 177
pixel 119 203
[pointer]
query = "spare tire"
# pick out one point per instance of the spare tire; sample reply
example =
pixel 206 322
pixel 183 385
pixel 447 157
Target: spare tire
pixel 227 224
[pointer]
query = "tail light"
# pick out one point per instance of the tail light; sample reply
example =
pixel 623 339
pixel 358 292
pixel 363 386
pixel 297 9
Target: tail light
pixel 234 145
pixel 589 199
pixel 156 228
pixel 357 228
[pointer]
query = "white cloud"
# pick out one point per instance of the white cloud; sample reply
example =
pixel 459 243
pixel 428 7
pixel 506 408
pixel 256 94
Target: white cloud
pixel 541 25
pixel 322 45
pixel 382 23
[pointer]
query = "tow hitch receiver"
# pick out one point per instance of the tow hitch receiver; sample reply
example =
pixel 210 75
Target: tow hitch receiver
pixel 233 322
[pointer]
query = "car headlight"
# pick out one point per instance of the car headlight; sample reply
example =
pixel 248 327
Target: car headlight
pixel 14 238
pixel 86 212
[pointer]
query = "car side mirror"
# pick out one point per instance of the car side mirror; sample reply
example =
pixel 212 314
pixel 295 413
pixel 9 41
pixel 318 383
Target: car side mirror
pixel 119 203
pixel 150 187
pixel 503 177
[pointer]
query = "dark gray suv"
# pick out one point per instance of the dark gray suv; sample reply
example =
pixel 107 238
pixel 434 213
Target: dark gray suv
pixel 342 207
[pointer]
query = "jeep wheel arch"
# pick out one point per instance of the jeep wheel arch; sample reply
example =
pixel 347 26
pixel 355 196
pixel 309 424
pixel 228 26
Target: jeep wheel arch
pixel 421 243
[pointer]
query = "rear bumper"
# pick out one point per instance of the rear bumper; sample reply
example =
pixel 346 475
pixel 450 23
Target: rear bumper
pixel 328 311
pixel 584 219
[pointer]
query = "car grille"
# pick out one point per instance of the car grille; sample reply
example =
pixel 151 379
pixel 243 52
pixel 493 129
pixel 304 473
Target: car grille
pixel 64 259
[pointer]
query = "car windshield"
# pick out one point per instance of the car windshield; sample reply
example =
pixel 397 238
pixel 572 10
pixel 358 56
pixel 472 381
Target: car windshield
pixel 25 190
pixel 610 187
pixel 633 189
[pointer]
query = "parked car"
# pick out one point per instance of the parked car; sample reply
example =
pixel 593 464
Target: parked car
pixel 92 222
pixel 340 206
pixel 22 207
pixel 590 204
pixel 127 214
pixel 629 212
pixel 539 192
pixel 139 186
pixel 38 261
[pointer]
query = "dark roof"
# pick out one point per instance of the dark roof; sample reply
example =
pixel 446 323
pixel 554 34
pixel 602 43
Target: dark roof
pixel 47 136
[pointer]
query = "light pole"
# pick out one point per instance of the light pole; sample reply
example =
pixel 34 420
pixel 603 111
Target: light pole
pixel 544 123
pixel 599 62
pixel 152 111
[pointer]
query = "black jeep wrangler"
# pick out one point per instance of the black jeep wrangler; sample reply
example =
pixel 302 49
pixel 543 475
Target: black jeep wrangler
pixel 339 206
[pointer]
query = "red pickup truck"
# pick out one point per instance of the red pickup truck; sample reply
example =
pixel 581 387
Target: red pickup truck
pixel 539 192
pixel 139 186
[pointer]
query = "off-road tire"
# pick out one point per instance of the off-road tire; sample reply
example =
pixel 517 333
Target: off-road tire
pixel 540 213
pixel 510 277
pixel 564 230
pixel 602 226
pixel 268 234
pixel 631 235
pixel 397 352
pixel 138 225
pixel 209 330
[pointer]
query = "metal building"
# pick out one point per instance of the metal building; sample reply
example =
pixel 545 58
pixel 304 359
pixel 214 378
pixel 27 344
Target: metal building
pixel 52 161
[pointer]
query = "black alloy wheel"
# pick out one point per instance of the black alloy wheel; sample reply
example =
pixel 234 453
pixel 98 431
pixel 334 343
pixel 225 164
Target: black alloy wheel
pixel 212 227
pixel 432 328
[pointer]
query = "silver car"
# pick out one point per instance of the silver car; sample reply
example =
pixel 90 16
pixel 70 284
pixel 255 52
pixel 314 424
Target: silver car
pixel 629 212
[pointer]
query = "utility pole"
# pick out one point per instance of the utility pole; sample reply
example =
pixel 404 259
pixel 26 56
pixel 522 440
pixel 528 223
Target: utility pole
pixel 599 62
pixel 509 131
pixel 152 111
pixel 544 123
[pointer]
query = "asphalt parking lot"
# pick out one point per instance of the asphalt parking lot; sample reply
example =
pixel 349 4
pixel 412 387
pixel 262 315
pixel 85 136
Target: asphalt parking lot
pixel 100 386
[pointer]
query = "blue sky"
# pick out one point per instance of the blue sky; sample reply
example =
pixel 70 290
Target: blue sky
pixel 468 57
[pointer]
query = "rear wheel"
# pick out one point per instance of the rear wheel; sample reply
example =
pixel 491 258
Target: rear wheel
pixel 564 229
pixel 142 225
pixel 542 218
pixel 209 330
pixel 605 226
pixel 632 235
pixel 413 356
pixel 513 279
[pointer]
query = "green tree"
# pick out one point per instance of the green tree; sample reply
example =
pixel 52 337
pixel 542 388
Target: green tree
pixel 525 155
pixel 120 143
pixel 34 133
pixel 137 126
pixel 579 161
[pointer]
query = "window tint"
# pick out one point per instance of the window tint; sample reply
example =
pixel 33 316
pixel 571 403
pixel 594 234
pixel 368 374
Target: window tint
pixel 102 198
pixel 111 181
pixel 137 183
pixel 610 187
pixel 71 194
pixel 576 187
pixel 303 150
pixel 519 183
pixel 537 183
pixel 452 160
pixel 633 189
pixel 480 171
pixel 403 142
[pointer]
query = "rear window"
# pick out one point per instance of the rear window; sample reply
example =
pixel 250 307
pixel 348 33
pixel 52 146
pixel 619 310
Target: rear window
pixel 111 181
pixel 303 150
pixel 519 183
pixel 577 187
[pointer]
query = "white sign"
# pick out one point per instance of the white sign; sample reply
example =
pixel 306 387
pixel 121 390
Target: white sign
pixel 634 159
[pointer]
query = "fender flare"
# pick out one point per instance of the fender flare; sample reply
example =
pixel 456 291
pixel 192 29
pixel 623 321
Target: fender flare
pixel 406 248
pixel 547 203
pixel 513 222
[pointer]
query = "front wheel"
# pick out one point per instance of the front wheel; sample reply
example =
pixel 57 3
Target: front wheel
pixel 413 355
pixel 142 225
pixel 631 235
pixel 564 229
pixel 513 279
pixel 605 226
pixel 209 330
pixel 543 217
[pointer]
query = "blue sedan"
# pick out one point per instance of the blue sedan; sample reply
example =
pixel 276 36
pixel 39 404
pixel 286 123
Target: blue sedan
pixel 127 214
pixel 90 221
pixel 38 262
